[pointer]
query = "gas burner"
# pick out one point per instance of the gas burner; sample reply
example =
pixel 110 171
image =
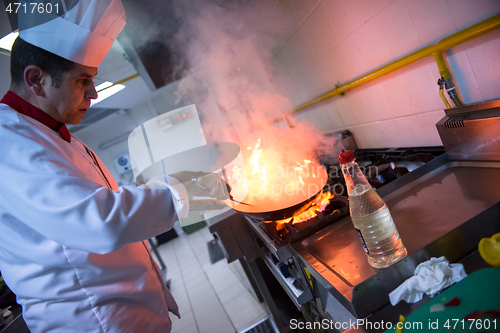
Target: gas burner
pixel 291 232
pixel 382 166
pixel 387 155
pixel 385 174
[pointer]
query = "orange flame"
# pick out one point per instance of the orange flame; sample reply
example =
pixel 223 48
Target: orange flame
pixel 318 205
pixel 267 175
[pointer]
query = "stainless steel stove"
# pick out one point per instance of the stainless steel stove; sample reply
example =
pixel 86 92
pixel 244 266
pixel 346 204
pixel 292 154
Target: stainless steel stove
pixel 443 203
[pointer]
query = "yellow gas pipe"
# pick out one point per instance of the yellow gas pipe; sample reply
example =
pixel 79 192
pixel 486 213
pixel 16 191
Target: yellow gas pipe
pixel 443 70
pixel 462 36
pixel 443 97
pixel 445 74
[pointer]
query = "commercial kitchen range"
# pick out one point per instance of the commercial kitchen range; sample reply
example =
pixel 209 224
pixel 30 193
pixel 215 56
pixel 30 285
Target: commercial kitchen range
pixel 443 201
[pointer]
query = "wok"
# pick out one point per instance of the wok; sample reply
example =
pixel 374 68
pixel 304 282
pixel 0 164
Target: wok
pixel 284 205
pixel 214 157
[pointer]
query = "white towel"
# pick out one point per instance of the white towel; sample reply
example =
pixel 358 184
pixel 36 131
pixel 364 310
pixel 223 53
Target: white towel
pixel 430 277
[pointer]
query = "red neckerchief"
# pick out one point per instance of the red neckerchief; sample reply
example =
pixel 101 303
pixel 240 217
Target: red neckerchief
pixel 28 109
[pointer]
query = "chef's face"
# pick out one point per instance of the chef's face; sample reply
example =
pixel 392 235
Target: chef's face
pixel 68 102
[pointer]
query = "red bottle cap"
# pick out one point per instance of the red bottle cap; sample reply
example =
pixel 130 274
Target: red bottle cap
pixel 346 156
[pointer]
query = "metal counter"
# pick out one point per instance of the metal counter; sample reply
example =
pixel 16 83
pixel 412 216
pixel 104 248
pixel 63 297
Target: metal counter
pixel 441 209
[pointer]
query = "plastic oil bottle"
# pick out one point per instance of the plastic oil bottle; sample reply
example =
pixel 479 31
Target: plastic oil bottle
pixel 370 216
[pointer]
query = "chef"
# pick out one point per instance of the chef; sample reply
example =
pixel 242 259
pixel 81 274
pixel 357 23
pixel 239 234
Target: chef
pixel 72 242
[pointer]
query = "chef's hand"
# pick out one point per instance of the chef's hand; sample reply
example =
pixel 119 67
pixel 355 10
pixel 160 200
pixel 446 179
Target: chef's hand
pixel 204 184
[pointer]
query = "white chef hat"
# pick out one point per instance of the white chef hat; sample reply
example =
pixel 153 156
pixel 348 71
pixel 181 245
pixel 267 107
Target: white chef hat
pixel 83 32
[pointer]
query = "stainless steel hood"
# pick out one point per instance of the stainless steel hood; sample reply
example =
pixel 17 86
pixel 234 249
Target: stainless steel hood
pixel 150 43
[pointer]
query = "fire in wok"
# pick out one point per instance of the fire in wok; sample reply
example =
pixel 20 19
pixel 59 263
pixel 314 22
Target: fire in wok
pixel 276 189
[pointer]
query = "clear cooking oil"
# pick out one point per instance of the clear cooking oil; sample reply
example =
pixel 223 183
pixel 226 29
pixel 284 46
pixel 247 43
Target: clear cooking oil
pixel 371 217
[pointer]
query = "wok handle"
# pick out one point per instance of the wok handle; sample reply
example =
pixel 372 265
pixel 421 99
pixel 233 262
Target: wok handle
pixel 206 204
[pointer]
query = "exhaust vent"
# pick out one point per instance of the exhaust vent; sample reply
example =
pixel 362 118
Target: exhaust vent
pixel 456 121
pixel 471 132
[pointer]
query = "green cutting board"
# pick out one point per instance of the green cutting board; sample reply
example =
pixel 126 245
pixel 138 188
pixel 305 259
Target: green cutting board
pixel 480 291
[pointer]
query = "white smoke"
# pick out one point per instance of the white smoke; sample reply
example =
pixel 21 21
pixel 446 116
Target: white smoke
pixel 233 82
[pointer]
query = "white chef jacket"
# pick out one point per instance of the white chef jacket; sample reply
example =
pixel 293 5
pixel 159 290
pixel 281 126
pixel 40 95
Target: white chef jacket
pixel 72 250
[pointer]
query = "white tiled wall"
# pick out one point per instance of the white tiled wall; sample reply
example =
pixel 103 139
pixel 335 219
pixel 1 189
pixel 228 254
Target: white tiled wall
pixel 335 41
